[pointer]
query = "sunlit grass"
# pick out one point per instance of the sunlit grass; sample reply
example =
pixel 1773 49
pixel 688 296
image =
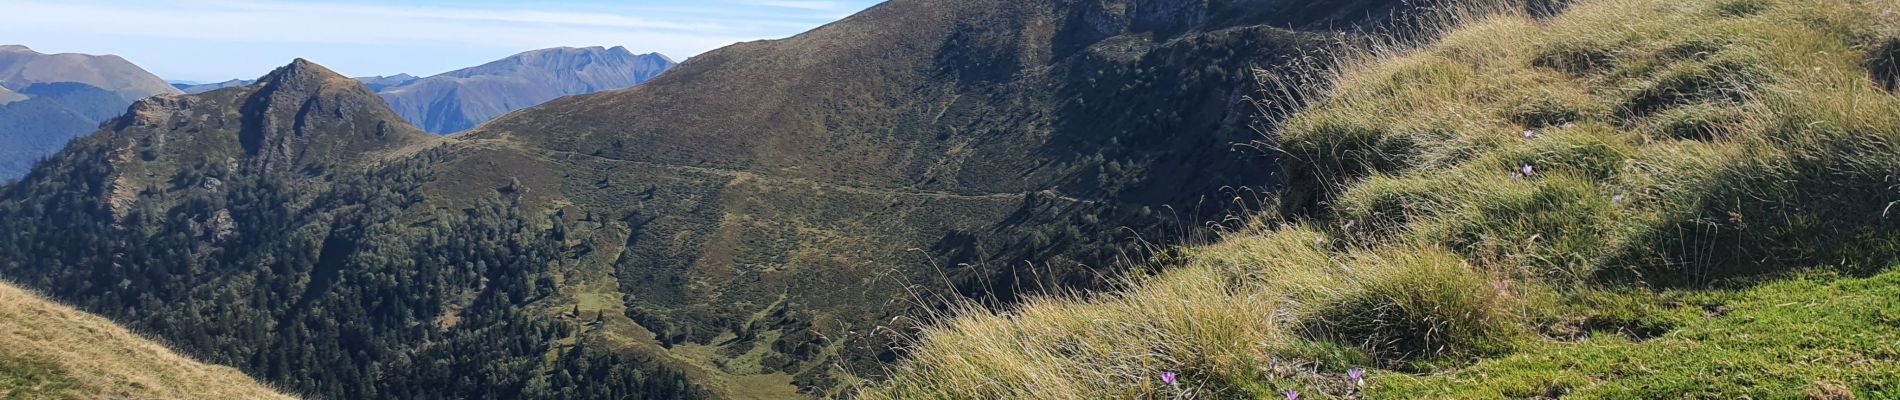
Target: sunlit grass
pixel 1619 201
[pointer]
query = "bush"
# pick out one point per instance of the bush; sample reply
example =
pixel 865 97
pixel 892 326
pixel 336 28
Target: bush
pixel 1420 305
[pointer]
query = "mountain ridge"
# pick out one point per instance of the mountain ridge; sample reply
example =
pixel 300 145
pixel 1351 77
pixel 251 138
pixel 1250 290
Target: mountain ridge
pixel 20 66
pixel 457 100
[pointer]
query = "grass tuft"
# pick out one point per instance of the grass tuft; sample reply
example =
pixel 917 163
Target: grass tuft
pixel 1419 305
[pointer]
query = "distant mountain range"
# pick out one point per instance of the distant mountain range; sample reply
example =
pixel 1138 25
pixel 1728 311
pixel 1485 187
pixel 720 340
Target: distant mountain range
pixel 461 99
pixel 48 99
pixel 21 67
pixel 375 83
pixel 196 88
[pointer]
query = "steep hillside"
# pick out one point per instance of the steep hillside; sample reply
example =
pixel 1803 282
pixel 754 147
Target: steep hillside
pixel 1627 199
pixel 919 149
pixel 21 67
pixel 457 100
pixel 55 352
pixel 278 228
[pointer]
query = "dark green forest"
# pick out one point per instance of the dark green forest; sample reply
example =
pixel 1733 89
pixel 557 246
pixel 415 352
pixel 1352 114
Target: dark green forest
pixel 328 282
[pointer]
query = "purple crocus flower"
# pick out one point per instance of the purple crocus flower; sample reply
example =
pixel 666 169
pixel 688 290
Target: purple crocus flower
pixel 1530 133
pixel 1291 394
pixel 1528 170
pixel 1516 176
pixel 1168 377
pixel 1618 200
pixel 1358 376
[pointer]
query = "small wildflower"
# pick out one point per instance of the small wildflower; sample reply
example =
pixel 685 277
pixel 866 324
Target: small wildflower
pixel 1516 176
pixel 1358 376
pixel 1530 133
pixel 1168 377
pixel 1528 170
pixel 1319 241
pixel 1617 200
pixel 1291 394
pixel 1570 125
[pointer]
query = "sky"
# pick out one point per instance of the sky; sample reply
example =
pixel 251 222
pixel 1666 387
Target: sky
pixel 218 40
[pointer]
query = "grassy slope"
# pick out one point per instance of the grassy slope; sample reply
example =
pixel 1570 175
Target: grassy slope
pixel 1688 159
pixel 53 351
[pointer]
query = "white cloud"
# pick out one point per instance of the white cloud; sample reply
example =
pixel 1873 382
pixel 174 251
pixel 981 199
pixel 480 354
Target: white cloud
pixel 213 40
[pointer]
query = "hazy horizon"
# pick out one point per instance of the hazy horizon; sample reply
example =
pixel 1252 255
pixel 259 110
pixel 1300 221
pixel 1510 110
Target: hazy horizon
pixel 220 40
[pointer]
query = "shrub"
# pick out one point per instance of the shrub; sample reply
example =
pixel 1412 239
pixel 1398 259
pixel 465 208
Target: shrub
pixel 1420 304
pixel 1557 227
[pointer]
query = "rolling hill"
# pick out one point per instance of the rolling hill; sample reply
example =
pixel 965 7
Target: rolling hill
pixel 21 67
pixel 457 100
pixel 53 351
pixel 49 99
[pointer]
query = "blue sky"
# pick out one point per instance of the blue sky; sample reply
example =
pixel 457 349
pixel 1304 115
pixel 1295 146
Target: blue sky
pixel 215 40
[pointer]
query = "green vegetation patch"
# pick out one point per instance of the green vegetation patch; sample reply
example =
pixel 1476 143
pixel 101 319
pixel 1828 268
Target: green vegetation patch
pixel 24 378
pixel 1809 337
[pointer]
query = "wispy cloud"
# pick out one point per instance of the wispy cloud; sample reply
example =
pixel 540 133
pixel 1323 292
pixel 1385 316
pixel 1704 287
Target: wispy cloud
pixel 680 30
pixel 813 5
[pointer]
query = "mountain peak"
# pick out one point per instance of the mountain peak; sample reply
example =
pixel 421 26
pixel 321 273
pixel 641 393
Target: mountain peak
pixel 301 71
pixel 458 100
pixel 14 48
pixel 300 114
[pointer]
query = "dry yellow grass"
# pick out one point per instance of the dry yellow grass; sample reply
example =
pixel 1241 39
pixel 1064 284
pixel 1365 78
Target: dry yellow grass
pixel 51 351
